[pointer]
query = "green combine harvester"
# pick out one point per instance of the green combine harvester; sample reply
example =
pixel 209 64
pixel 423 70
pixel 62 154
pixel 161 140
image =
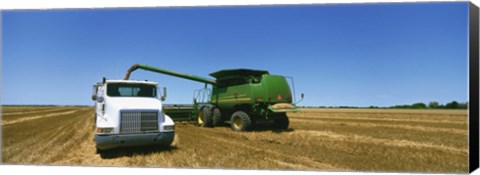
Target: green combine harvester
pixel 239 97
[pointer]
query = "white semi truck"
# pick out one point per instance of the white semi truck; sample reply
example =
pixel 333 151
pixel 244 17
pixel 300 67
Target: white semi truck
pixel 129 113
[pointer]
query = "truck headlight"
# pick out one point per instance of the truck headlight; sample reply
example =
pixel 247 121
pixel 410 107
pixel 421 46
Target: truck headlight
pixel 169 127
pixel 104 130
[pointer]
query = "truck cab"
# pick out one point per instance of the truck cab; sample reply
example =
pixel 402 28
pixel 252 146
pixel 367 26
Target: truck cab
pixel 129 113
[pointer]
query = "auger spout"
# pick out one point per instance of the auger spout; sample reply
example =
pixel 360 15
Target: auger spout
pixel 167 72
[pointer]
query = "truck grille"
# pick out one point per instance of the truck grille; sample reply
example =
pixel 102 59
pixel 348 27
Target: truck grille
pixel 138 121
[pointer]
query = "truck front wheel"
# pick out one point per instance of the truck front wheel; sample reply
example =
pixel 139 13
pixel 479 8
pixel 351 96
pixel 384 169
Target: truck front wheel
pixel 99 151
pixel 240 121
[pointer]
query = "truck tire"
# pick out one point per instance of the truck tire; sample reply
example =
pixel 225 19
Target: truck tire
pixel 217 117
pixel 281 121
pixel 205 118
pixel 240 121
pixel 99 151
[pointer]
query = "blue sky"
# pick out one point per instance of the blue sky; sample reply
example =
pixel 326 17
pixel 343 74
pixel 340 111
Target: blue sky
pixel 348 54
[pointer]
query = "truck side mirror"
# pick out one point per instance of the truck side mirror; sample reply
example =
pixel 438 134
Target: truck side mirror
pixel 164 94
pixel 94 92
pixel 100 99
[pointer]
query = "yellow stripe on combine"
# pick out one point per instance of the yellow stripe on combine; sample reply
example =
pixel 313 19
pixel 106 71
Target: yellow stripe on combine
pixel 234 99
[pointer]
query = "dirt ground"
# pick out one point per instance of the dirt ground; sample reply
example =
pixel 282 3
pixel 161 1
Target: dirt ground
pixel 318 139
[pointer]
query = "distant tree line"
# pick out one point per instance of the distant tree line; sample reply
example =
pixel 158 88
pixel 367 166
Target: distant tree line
pixel 419 105
pixel 435 105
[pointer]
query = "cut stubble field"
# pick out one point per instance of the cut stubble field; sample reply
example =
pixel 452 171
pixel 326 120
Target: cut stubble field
pixel 384 140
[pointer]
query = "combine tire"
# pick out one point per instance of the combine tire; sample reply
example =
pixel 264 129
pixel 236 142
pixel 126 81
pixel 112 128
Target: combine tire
pixel 240 121
pixel 281 121
pixel 217 117
pixel 205 118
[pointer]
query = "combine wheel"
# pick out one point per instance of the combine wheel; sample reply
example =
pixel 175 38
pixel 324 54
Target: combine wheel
pixel 281 121
pixel 217 117
pixel 240 121
pixel 205 118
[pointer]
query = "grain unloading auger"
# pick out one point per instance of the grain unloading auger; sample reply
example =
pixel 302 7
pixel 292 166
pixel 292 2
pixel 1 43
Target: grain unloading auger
pixel 164 71
pixel 241 97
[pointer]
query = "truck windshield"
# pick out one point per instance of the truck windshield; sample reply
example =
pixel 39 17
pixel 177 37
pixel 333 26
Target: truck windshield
pixel 131 90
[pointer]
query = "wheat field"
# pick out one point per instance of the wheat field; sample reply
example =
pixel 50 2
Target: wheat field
pixel 385 140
